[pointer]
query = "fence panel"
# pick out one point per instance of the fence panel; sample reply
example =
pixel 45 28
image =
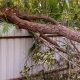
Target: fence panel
pixel 13 52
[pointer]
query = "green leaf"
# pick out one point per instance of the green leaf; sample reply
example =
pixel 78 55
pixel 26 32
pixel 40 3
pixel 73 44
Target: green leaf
pixel 67 3
pixel 6 28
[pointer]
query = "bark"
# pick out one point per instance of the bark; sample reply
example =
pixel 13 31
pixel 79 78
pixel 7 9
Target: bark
pixel 42 28
pixel 27 22
pixel 54 43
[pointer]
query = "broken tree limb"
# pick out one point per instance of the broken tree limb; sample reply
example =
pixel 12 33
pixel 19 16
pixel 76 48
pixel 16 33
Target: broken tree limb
pixel 50 41
pixel 42 28
pixel 54 43
pixel 33 17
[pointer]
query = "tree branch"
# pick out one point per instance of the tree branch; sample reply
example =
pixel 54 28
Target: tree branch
pixel 43 28
pixel 33 17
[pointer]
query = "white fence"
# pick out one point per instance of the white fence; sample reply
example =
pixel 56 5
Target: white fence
pixel 13 54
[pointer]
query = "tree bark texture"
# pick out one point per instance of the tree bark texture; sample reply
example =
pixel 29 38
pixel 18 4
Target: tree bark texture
pixel 24 21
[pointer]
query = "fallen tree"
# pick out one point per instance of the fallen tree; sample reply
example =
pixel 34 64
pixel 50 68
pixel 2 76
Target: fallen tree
pixel 42 31
pixel 24 21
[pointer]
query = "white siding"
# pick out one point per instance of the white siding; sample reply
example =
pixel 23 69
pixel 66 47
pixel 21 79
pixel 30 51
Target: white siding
pixel 13 55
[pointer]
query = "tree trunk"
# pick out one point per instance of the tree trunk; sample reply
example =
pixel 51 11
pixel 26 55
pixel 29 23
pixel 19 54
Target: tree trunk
pixel 25 22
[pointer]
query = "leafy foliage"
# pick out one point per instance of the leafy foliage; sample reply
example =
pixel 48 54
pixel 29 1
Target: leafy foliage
pixel 6 28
